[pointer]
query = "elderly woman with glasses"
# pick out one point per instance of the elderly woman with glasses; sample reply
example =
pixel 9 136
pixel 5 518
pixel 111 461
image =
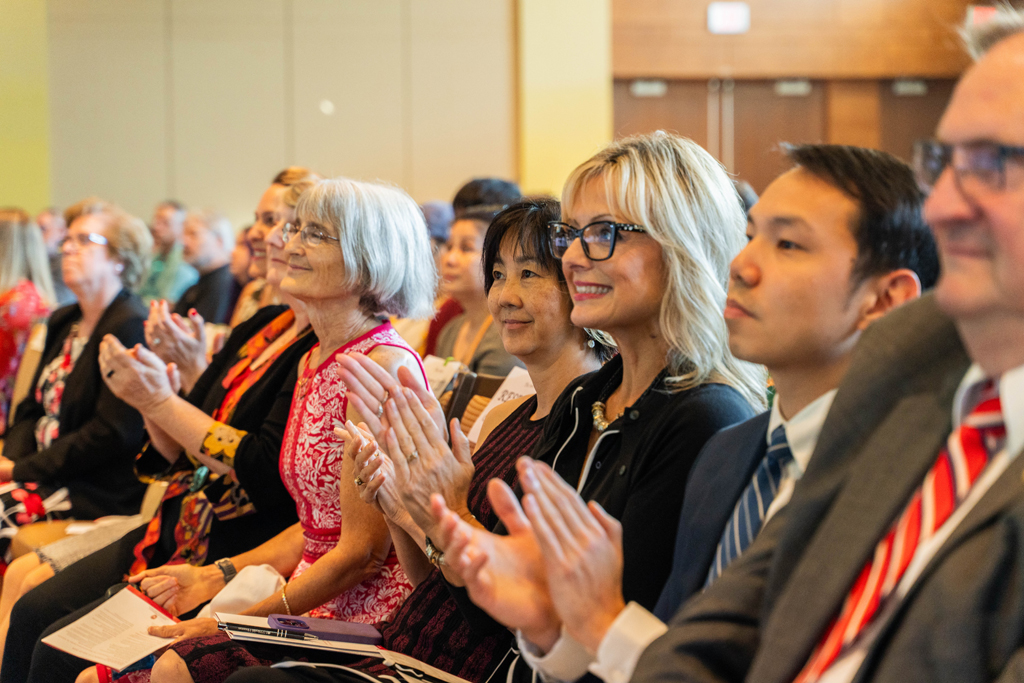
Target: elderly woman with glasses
pixel 71 431
pixel 356 253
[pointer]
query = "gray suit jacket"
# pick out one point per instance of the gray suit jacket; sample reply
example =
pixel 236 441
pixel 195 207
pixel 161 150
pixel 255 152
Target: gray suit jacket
pixel 964 618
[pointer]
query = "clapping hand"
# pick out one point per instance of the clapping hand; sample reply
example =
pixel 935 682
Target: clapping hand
pixel 178 340
pixel 369 386
pixel 136 376
pixel 582 549
pixel 505 575
pixel 375 473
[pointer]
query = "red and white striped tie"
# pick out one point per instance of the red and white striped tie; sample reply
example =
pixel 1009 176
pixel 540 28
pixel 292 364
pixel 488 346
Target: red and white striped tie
pixel 947 483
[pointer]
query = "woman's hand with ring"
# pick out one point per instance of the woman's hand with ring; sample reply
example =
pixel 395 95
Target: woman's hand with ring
pixel 376 472
pixel 370 386
pixel 423 462
pixel 136 376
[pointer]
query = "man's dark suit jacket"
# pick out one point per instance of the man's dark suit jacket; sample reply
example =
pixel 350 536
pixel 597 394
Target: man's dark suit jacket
pixel 210 296
pixel 963 619
pixel 100 434
pixel 722 471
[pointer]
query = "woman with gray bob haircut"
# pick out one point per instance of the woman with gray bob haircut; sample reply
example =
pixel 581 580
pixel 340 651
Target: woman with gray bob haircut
pixel 384 244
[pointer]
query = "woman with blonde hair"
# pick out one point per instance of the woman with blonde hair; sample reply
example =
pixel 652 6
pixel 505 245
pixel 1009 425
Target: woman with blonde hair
pixel 649 227
pixel 26 295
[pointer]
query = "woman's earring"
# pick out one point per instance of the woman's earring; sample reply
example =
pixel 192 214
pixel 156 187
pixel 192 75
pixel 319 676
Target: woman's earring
pixel 590 343
pixel 119 268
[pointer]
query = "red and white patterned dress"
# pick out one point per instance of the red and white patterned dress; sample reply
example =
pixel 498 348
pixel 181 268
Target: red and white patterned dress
pixel 311 458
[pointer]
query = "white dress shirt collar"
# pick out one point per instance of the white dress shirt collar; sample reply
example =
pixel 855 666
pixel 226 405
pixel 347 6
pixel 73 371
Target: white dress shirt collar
pixel 802 429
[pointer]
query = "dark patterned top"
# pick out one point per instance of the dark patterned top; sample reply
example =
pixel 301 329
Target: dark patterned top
pixel 429 625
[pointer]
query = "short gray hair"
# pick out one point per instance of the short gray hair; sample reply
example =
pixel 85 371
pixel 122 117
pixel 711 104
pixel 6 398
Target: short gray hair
pixel 128 238
pixel 218 224
pixel 980 38
pixel 383 240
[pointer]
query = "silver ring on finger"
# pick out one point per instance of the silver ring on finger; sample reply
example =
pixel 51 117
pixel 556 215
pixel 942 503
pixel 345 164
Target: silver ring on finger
pixel 380 410
pixel 412 456
pixel 156 341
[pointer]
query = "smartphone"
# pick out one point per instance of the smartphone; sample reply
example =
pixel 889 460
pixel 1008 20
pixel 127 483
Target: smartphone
pixel 328 629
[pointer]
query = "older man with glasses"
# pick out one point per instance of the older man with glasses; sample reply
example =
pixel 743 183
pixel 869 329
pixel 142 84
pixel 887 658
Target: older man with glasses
pixel 901 554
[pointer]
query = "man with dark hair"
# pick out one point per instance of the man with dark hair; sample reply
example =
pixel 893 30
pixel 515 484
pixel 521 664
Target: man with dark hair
pixel 901 555
pixel 827 257
pixel 169 275
pixel 54 228
pixel 485 194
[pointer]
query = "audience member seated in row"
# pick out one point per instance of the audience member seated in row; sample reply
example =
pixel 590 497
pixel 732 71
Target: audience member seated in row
pixel 471 337
pixel 245 395
pixel 207 243
pixel 71 431
pixel 917 474
pixel 361 254
pixel 241 257
pixel 54 228
pixel 661 391
pixel 439 217
pixel 183 337
pixel 169 275
pixel 835 243
pixel 899 555
pixel 26 295
pixel 489 195
pixel 557 353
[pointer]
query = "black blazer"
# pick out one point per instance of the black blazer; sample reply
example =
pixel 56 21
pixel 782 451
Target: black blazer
pixel 100 433
pixel 718 478
pixel 262 411
pixel 210 296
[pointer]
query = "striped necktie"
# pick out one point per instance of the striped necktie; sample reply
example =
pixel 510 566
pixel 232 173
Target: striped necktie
pixel 748 516
pixel 960 463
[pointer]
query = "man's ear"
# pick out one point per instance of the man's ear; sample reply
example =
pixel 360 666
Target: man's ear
pixel 890 290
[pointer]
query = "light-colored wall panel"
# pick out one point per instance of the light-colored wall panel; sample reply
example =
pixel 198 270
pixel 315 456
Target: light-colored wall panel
pixel 108 102
pixel 462 85
pixel 230 116
pixel 24 106
pixel 349 54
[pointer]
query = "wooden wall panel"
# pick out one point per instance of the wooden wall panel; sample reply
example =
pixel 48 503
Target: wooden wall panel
pixel 683 110
pixel 906 119
pixel 764 120
pixel 854 113
pixel 108 102
pixel 807 38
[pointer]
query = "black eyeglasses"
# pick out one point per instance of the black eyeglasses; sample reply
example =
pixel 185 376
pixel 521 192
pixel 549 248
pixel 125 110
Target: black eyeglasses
pixel 598 237
pixel 311 234
pixel 978 167
pixel 83 239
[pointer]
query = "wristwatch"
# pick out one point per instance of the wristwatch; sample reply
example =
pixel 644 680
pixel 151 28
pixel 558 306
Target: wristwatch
pixel 227 568
pixel 434 555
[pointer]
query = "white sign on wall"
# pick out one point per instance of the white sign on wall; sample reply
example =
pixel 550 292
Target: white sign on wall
pixel 728 18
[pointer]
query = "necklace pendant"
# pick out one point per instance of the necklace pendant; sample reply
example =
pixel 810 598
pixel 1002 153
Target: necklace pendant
pixel 600 420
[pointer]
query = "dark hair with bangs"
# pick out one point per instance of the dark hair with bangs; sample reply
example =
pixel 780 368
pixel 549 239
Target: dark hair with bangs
pixel 526 222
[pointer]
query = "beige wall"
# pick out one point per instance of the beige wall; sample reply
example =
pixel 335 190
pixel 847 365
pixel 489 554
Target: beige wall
pixel 204 101
pixel 24 114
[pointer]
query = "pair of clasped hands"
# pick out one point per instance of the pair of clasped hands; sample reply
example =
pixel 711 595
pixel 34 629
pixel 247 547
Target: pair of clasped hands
pixel 561 562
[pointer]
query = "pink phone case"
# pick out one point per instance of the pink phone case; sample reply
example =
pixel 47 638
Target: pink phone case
pixel 328 629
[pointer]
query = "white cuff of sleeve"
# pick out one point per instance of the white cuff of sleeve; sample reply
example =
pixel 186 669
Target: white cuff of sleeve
pixel 567 660
pixel 632 631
